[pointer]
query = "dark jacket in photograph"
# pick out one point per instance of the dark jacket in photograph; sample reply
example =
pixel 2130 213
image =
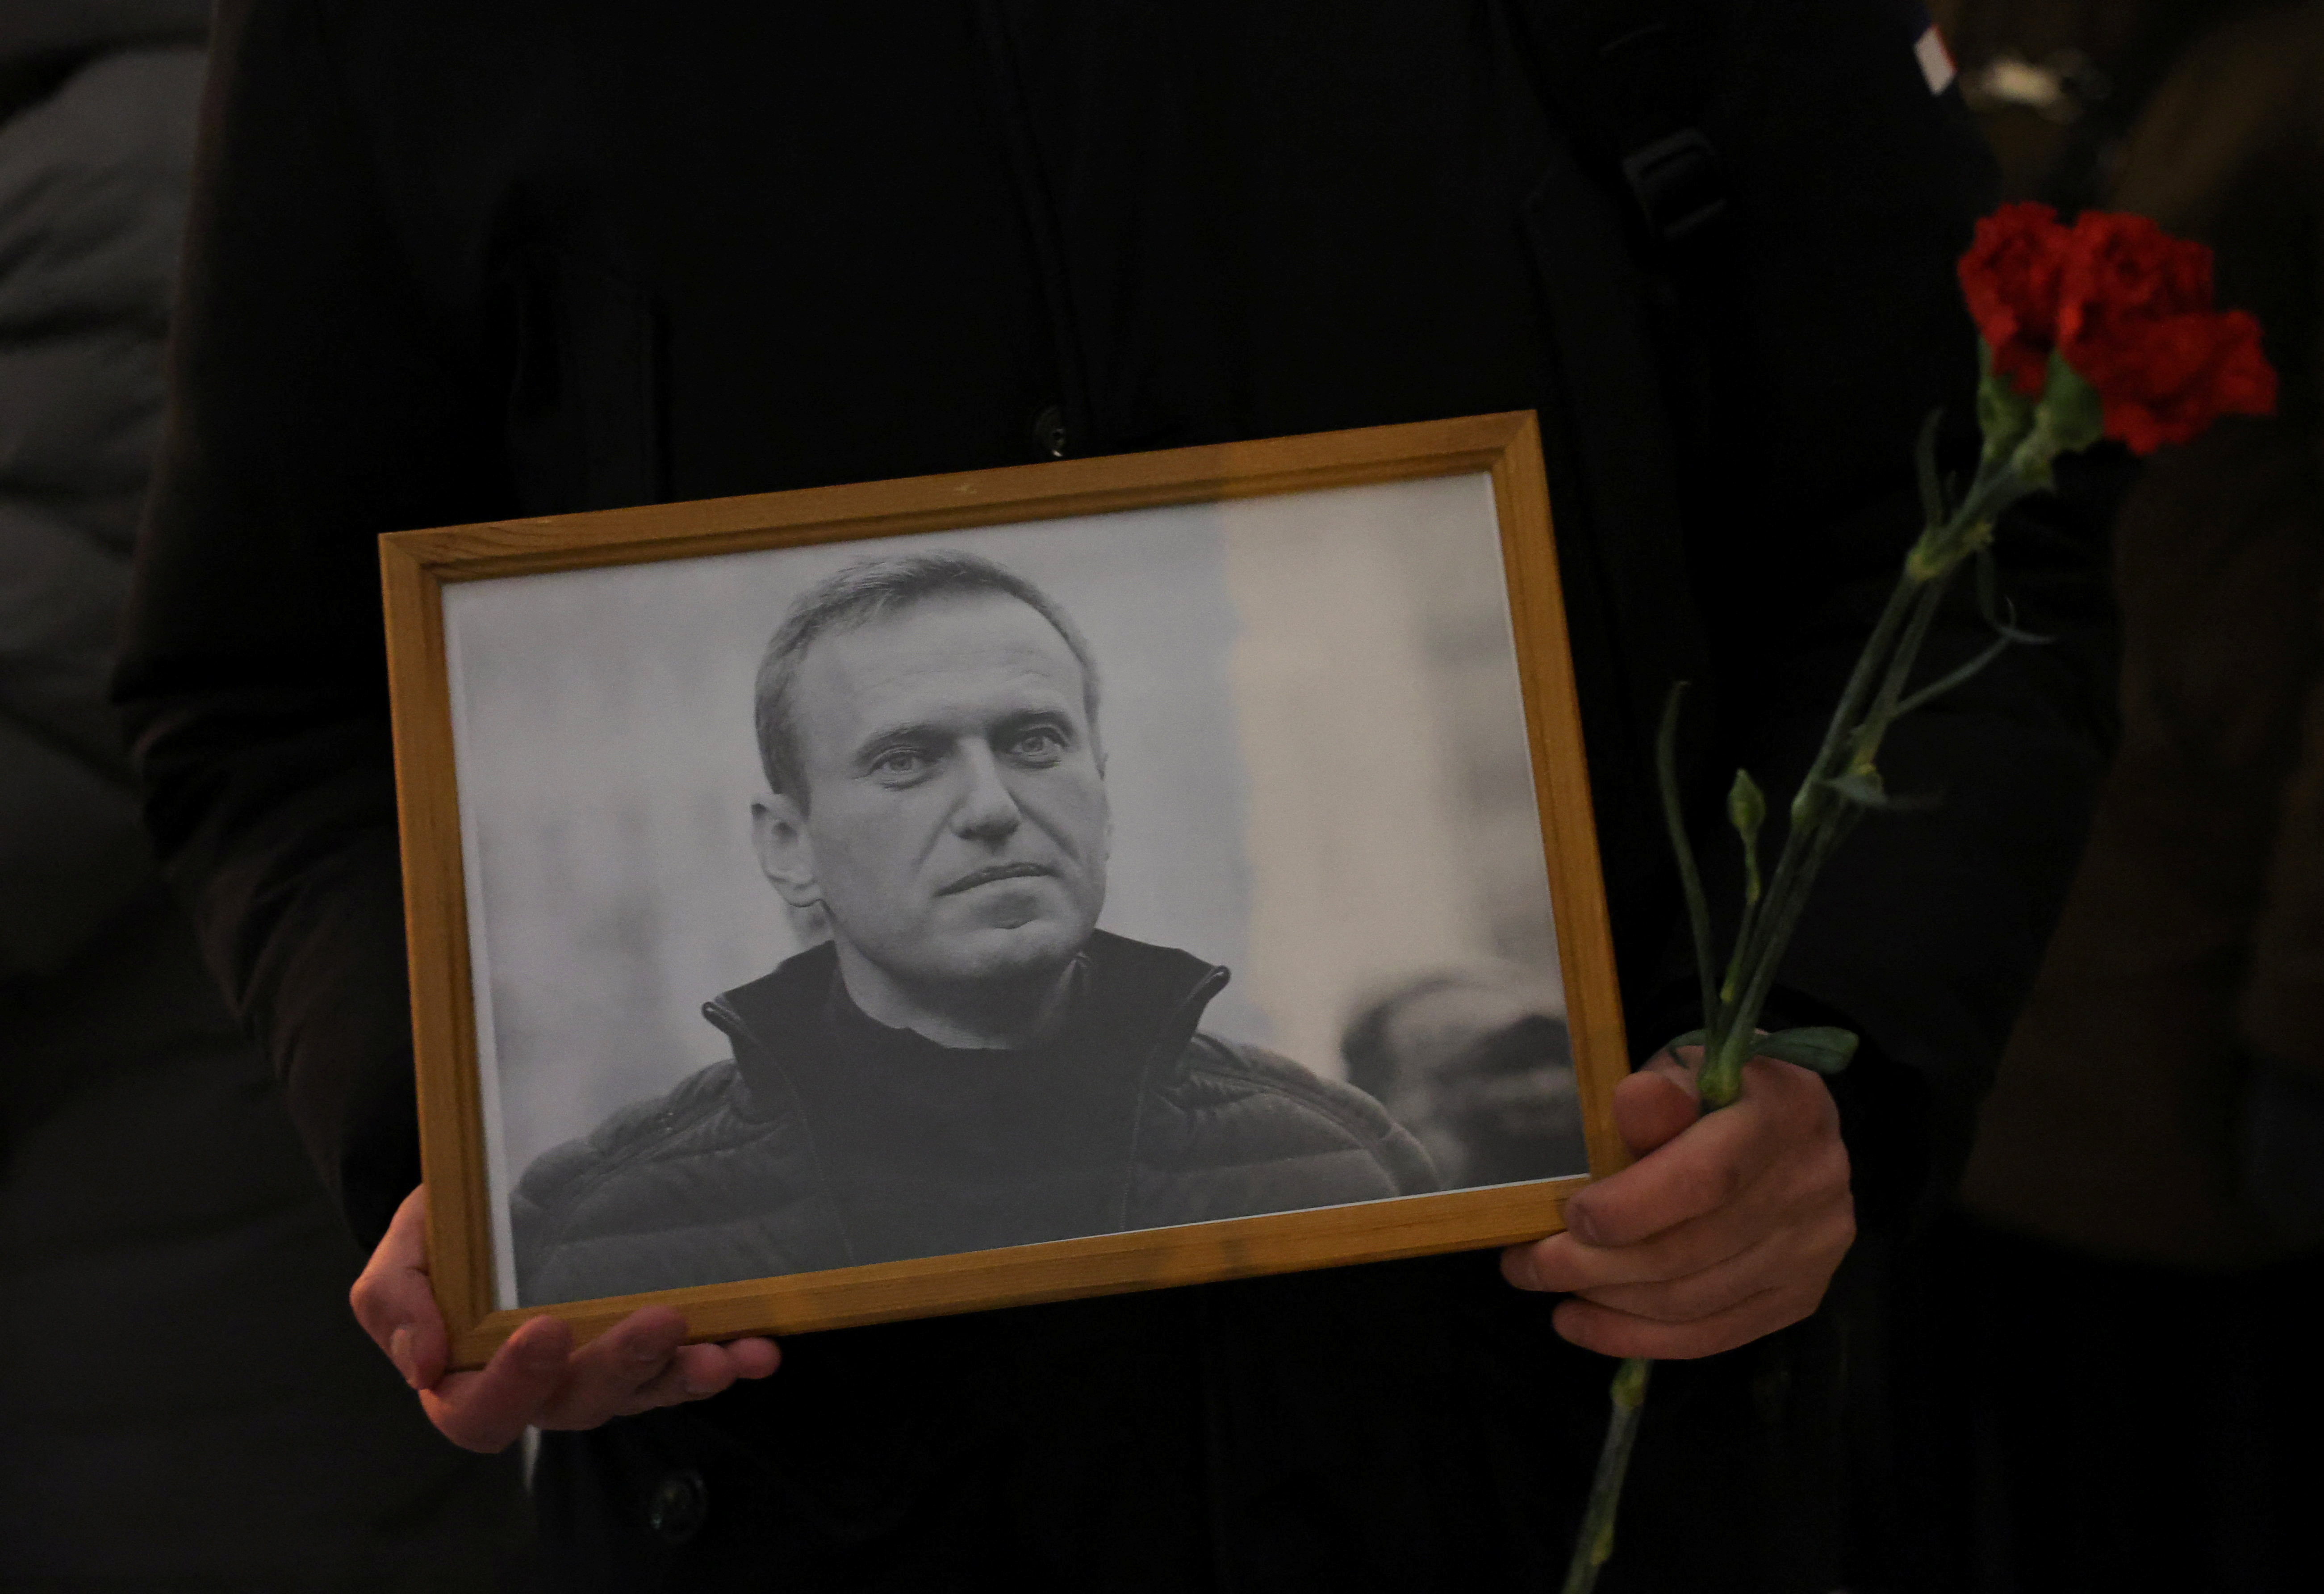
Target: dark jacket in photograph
pixel 831 1139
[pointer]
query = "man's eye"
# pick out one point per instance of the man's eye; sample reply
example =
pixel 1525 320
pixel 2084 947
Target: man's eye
pixel 1040 745
pixel 900 761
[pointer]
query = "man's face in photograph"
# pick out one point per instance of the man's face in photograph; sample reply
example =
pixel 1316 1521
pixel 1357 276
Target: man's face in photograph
pixel 955 815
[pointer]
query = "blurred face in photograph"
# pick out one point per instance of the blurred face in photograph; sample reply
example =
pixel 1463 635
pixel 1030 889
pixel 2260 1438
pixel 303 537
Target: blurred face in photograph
pixel 1481 1071
pixel 953 819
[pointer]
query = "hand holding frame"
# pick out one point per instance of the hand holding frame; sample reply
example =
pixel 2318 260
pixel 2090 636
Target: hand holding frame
pixel 536 1379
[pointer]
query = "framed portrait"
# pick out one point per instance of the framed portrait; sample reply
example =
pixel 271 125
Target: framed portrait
pixel 865 902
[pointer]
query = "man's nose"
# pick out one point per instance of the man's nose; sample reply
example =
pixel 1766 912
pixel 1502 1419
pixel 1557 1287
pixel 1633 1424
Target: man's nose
pixel 987 810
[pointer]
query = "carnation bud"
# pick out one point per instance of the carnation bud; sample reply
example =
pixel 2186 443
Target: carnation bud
pixel 1746 807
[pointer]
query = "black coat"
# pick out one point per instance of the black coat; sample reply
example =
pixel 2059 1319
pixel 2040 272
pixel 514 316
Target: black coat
pixel 455 262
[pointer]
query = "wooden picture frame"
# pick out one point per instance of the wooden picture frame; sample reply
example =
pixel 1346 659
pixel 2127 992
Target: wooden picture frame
pixel 420 567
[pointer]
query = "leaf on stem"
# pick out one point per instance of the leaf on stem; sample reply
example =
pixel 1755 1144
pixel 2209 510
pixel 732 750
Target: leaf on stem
pixel 1863 788
pixel 1989 603
pixel 1947 682
pixel 1820 1046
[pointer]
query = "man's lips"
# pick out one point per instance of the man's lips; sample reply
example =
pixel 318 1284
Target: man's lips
pixel 995 871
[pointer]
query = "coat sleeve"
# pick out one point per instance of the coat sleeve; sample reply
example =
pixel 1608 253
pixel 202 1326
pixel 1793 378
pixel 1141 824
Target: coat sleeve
pixel 318 399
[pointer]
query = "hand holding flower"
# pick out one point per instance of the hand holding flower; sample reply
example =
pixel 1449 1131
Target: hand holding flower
pixel 1729 1227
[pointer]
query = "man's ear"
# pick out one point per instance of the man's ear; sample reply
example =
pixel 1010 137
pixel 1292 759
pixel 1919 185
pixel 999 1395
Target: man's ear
pixel 786 855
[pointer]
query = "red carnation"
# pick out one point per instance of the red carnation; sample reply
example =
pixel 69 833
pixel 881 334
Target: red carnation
pixel 2135 319
pixel 2010 277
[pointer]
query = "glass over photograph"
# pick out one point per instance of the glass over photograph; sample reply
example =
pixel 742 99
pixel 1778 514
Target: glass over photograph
pixel 926 893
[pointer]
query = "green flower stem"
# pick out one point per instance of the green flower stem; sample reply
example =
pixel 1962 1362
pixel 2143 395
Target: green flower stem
pixel 1596 1545
pixel 1721 1078
pixel 1853 699
pixel 1926 603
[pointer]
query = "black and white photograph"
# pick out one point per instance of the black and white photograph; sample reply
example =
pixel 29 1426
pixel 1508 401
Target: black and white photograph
pixel 925 894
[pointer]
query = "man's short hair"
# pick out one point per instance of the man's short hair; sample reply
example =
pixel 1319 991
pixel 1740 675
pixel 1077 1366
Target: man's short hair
pixel 872 589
